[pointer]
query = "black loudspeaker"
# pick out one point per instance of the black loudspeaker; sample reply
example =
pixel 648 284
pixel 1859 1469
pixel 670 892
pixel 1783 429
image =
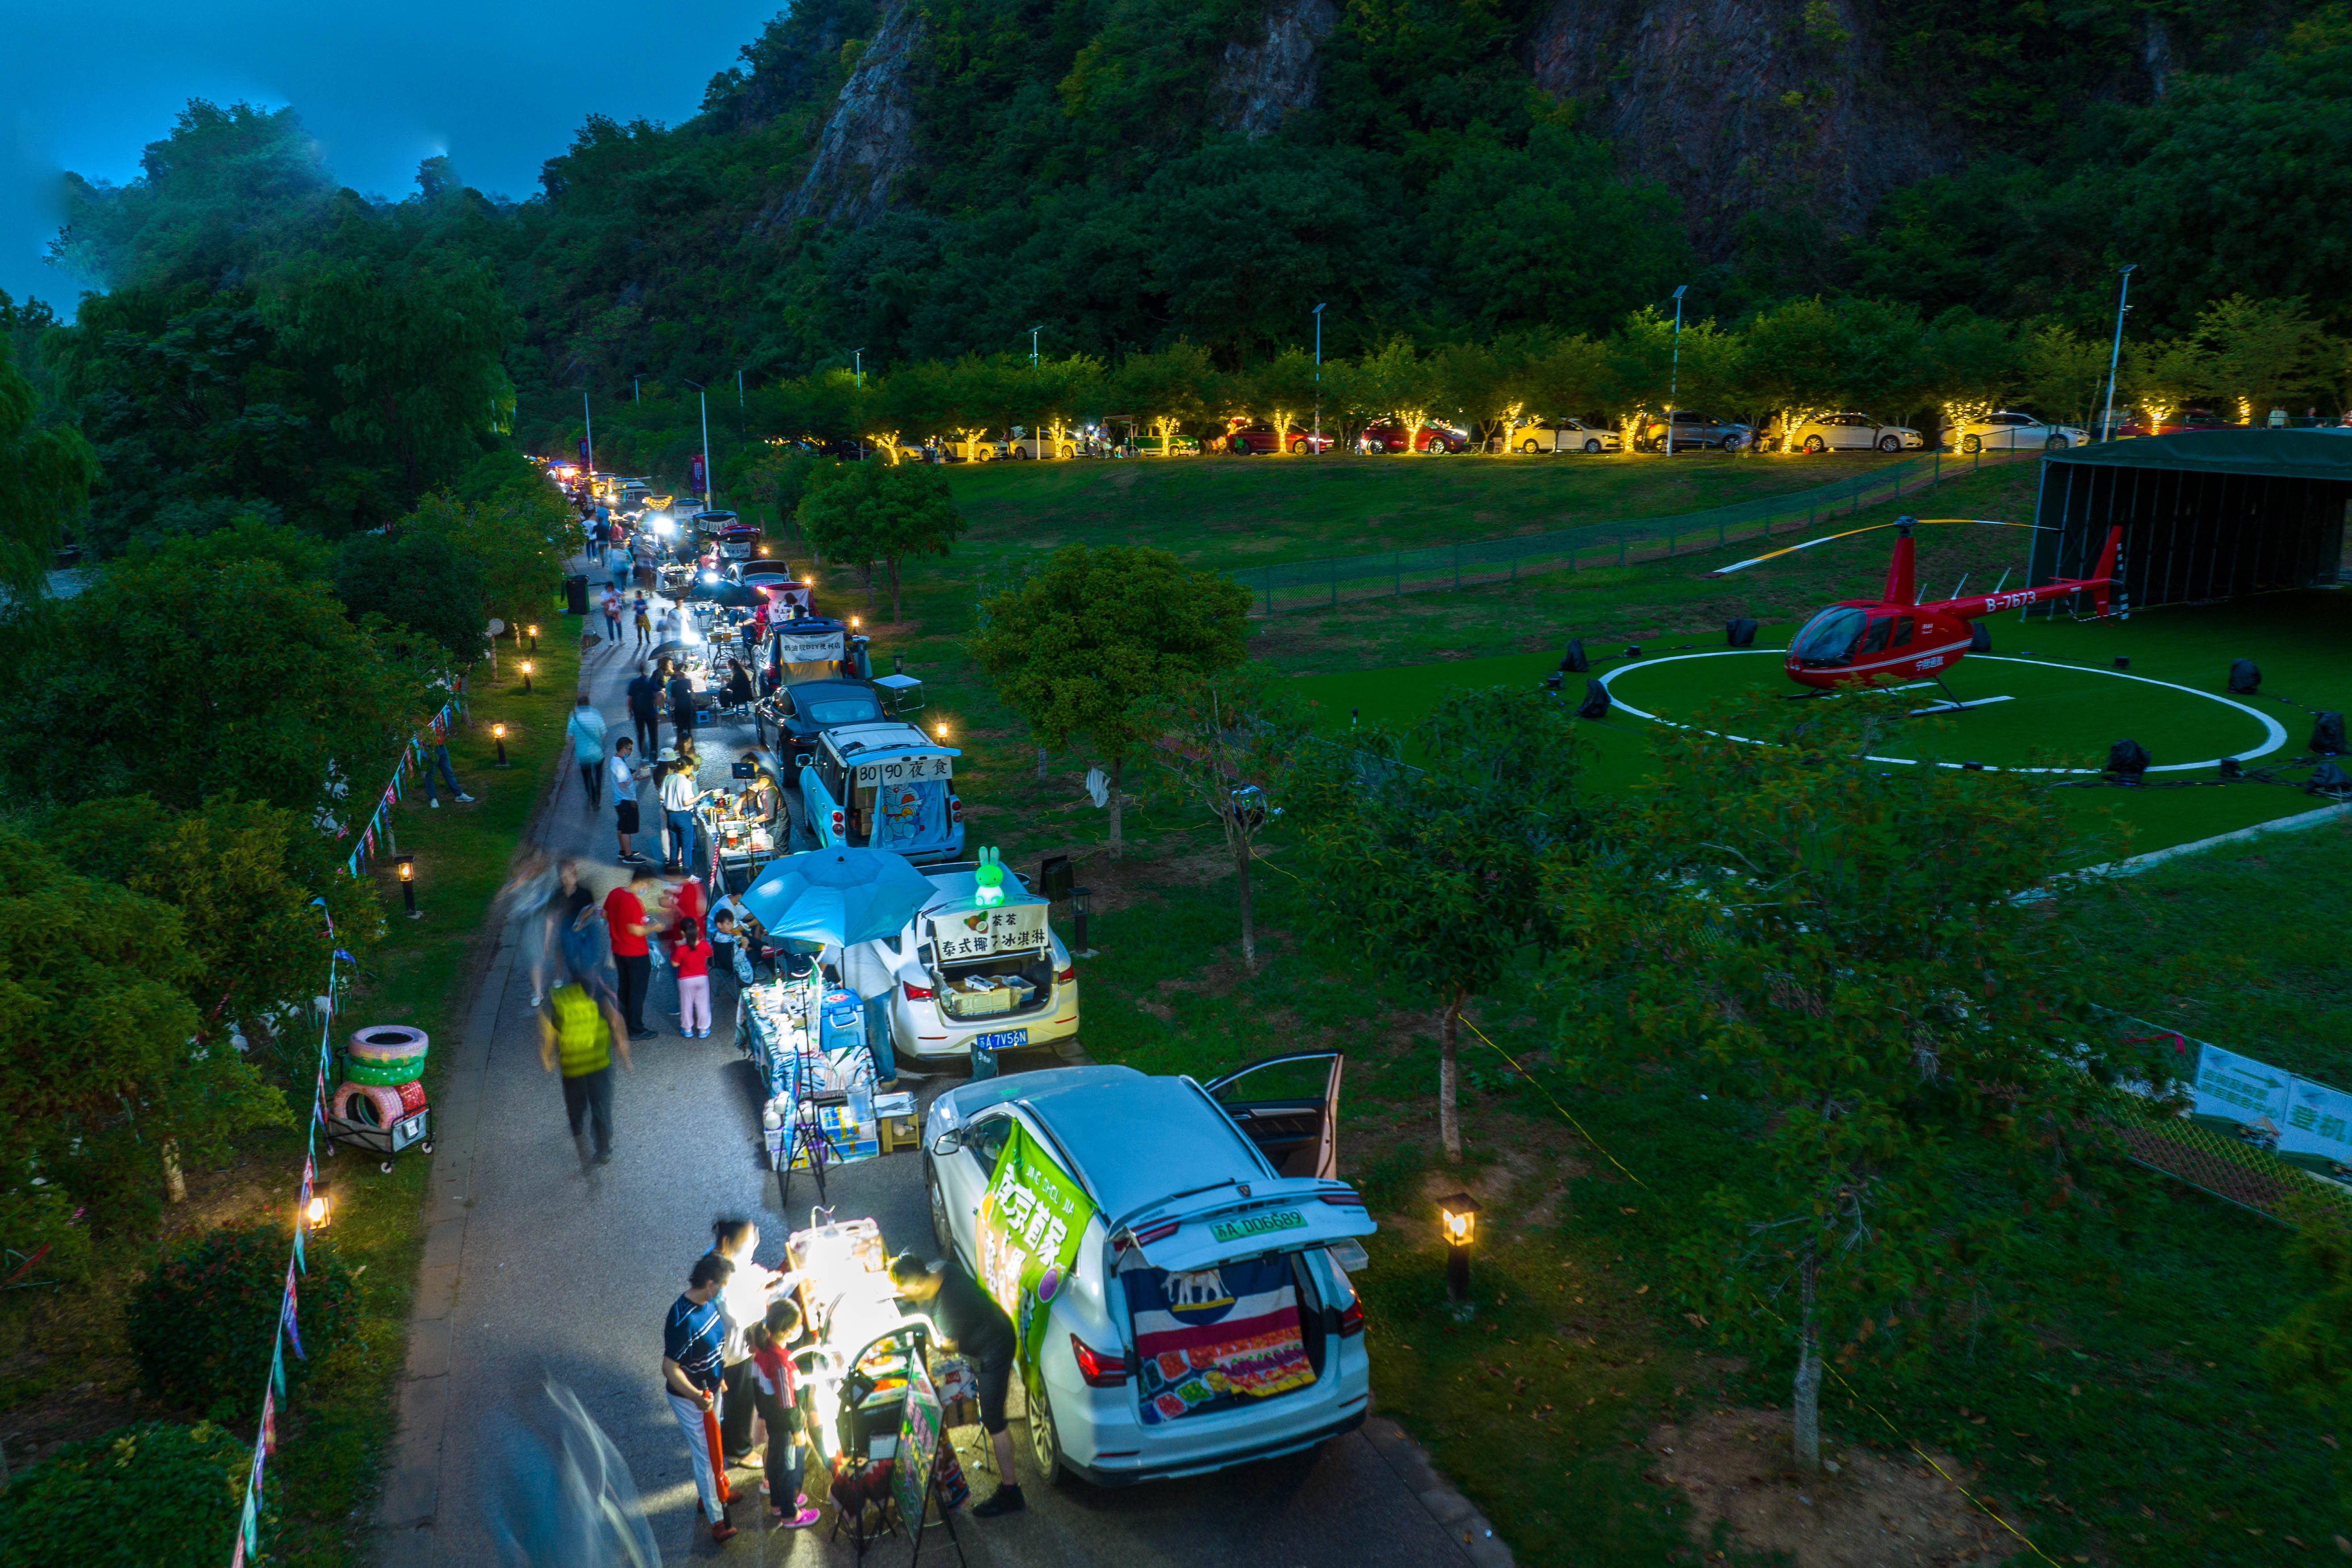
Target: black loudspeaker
pixel 2327 734
pixel 1980 637
pixel 1574 662
pixel 2329 780
pixel 1741 633
pixel 2127 760
pixel 1596 700
pixel 1055 879
pixel 2232 769
pixel 2246 677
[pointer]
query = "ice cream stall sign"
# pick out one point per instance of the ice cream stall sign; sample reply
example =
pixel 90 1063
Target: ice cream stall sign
pixel 977 933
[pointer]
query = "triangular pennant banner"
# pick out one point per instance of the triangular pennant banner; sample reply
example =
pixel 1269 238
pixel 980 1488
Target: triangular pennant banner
pixel 278 1367
pixel 269 1420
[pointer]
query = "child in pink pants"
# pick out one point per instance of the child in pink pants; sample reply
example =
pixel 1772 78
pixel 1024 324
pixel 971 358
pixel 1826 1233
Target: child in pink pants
pixel 691 955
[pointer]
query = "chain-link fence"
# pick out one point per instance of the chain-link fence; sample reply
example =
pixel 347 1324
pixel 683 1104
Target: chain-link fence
pixel 1325 583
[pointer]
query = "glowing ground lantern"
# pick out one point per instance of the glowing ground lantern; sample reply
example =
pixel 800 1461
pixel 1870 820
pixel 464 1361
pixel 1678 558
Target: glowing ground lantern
pixel 1458 1217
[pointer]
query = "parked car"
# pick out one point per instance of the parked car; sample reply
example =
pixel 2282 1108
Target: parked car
pixel 1690 430
pixel 1852 433
pixel 1264 438
pixel 971 980
pixel 806 709
pixel 1033 446
pixel 975 451
pixel 1565 436
pixel 884 786
pixel 1390 436
pixel 2005 431
pixel 2183 419
pixel 1212 1235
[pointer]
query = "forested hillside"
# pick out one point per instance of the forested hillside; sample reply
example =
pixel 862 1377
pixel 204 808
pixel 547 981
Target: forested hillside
pixel 927 181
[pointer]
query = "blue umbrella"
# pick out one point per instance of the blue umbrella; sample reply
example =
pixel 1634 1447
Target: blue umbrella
pixel 842 895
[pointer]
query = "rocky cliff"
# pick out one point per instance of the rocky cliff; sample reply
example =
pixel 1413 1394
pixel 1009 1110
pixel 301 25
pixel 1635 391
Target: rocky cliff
pixel 1738 104
pixel 869 139
pixel 1260 82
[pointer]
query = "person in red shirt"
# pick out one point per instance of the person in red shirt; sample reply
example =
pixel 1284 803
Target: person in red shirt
pixel 627 921
pixel 683 899
pixel 776 1392
pixel 691 956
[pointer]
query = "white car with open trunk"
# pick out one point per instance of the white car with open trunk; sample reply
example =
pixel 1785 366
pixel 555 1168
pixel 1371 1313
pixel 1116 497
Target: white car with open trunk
pixel 969 980
pixel 1179 1252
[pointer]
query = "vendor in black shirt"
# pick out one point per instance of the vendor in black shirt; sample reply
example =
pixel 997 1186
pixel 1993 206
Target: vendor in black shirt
pixel 978 1330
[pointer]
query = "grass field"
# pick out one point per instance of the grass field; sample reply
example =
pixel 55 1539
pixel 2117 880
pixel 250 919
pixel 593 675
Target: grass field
pixel 2129 1424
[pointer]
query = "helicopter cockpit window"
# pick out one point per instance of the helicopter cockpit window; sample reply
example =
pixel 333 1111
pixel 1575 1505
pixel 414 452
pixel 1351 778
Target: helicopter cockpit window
pixel 1902 629
pixel 1877 641
pixel 1828 637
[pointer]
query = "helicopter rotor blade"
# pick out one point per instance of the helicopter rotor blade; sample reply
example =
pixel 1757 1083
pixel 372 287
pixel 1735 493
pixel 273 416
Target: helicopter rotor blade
pixel 1849 533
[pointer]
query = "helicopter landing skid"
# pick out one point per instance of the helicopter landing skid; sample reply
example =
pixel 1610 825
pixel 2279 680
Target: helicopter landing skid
pixel 1951 704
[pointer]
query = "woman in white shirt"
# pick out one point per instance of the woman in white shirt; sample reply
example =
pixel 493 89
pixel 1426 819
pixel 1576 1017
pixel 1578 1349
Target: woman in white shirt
pixel 742 1301
pixel 677 798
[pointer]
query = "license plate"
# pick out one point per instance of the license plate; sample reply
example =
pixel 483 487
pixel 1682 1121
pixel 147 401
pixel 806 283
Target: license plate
pixel 1002 1040
pixel 1249 1226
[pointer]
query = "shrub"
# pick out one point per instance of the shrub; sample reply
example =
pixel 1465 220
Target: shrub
pixel 200 1325
pixel 157 1495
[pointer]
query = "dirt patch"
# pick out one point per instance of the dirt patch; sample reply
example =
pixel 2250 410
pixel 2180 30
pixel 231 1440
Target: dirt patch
pixel 1879 1510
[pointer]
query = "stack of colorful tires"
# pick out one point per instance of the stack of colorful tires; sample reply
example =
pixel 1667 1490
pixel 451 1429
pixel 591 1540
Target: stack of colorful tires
pixel 384 1069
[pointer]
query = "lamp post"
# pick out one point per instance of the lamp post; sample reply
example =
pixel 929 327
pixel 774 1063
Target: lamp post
pixel 2116 354
pixel 637 389
pixel 526 678
pixel 1675 377
pixel 405 866
pixel 320 1212
pixel 533 633
pixel 498 733
pixel 857 365
pixel 1080 904
pixel 588 418
pixel 1458 1216
pixel 1032 346
pixel 1318 380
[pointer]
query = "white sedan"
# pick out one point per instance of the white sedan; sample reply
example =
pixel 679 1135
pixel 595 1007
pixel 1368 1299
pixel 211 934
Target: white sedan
pixel 1852 433
pixel 971 982
pixel 2004 431
pixel 1188 1261
pixel 1564 435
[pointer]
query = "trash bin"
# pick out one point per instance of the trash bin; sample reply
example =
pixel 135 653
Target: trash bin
pixel 576 596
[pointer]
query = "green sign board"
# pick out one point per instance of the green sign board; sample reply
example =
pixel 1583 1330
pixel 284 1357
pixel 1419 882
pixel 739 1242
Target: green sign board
pixel 1031 1221
pixel 918 1443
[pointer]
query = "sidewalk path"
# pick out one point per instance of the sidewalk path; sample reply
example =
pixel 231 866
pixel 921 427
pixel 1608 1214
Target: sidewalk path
pixel 533 1271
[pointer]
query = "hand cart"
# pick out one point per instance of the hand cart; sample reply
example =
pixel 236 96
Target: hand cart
pixel 416 1128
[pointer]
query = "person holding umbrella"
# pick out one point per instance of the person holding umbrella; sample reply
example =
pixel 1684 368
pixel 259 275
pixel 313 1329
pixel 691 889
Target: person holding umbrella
pixel 694 1337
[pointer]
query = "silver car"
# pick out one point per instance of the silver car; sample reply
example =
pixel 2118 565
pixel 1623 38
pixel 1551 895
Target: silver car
pixel 1213 1237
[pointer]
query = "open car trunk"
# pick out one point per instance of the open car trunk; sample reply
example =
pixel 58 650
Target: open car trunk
pixel 1003 985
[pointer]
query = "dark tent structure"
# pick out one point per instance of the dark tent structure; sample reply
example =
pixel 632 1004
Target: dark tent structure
pixel 2207 514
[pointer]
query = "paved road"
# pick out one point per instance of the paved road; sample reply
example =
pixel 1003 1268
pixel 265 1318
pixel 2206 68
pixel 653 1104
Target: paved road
pixel 535 1271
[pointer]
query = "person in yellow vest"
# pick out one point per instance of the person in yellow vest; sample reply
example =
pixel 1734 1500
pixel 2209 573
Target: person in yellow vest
pixel 579 1029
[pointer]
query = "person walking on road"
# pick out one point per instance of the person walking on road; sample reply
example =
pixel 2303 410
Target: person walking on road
pixel 978 1329
pixel 681 704
pixel 611 604
pixel 586 729
pixel 693 1337
pixel 645 622
pixel 691 956
pixel 579 1034
pixel 644 708
pixel 627 919
pixel 623 773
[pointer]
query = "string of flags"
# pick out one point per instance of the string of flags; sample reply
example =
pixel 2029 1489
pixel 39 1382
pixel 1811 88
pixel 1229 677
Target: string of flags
pixel 418 752
pixel 247 1548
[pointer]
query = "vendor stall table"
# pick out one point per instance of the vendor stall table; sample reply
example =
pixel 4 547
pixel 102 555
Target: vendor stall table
pixel 809 1044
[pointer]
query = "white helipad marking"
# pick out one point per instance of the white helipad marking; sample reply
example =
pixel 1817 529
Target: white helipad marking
pixel 1954 707
pixel 2274 733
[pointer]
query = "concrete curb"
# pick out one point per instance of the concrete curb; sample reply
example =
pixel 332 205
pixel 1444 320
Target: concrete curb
pixel 1463 1522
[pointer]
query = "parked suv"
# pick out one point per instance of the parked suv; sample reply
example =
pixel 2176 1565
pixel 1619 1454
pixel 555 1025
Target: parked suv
pixel 1264 438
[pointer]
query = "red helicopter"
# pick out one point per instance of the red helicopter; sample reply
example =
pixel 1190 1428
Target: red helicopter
pixel 1894 636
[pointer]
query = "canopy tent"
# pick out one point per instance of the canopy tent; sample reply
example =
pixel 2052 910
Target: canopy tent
pixel 2207 514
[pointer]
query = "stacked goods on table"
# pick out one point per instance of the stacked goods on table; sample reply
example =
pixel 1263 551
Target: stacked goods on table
pixel 982 996
pixel 813 1058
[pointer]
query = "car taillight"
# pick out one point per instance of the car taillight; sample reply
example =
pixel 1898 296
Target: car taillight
pixel 1100 1371
pixel 1351 1319
pixel 1064 976
pixel 840 826
pixel 915 992
pixel 955 809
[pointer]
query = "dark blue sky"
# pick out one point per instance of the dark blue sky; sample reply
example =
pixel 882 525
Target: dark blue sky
pixel 499 85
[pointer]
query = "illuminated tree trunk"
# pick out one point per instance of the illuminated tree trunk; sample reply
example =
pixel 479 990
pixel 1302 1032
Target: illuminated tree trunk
pixel 176 1185
pixel 1242 869
pixel 1805 1417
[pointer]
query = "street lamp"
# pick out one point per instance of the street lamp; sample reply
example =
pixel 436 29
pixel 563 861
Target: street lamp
pixel 857 364
pixel 1081 903
pixel 498 733
pixel 1458 1216
pixel 405 866
pixel 320 1212
pixel 2116 354
pixel 1032 346
pixel 705 394
pixel 1318 380
pixel 533 633
pixel 526 678
pixel 1674 380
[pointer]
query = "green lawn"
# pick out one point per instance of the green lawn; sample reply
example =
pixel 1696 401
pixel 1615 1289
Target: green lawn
pixel 2128 1424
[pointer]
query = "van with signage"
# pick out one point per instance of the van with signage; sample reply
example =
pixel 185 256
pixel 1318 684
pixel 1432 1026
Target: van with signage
pixel 1175 1255
pixel 972 977
pixel 883 785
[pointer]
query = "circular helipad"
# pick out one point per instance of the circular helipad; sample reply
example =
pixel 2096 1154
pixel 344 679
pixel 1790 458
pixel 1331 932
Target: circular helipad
pixel 2022 713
